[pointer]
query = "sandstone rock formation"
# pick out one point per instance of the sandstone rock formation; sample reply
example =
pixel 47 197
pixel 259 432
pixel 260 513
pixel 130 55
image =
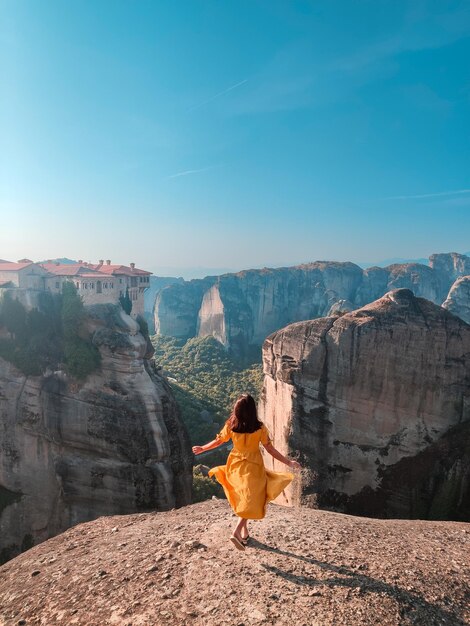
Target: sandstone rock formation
pixel 241 309
pixel 458 300
pixel 177 316
pixel 376 404
pixel 71 452
pixel 157 283
pixel 450 266
pixel 302 567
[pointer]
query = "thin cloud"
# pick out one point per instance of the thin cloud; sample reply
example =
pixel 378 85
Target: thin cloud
pixel 443 29
pixel 441 194
pixel 218 95
pixel 189 172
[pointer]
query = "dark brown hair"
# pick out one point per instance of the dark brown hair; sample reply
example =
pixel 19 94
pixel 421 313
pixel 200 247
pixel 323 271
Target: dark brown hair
pixel 244 417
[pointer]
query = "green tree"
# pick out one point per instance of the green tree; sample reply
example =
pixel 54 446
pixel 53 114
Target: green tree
pixel 207 381
pixel 204 487
pixel 46 336
pixel 126 302
pixel 81 356
pixel 14 318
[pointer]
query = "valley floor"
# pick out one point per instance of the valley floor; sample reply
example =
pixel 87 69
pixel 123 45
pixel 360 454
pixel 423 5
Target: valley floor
pixel 304 567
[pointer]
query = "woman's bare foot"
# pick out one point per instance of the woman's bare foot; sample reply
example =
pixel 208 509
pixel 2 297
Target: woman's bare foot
pixel 241 530
pixel 237 541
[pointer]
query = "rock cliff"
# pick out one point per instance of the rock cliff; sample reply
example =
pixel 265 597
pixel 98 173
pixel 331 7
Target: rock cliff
pixel 449 267
pixel 178 306
pixel 71 451
pixel 241 310
pixel 157 283
pixel 458 300
pixel 302 566
pixel 376 403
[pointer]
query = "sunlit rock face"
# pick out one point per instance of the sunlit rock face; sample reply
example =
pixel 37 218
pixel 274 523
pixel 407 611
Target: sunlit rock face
pixel 241 310
pixel 71 452
pixel 157 283
pixel 177 307
pixel 449 267
pixel 458 300
pixel 376 405
pixel 421 279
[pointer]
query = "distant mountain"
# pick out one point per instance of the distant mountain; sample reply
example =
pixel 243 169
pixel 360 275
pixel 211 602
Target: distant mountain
pixel 393 261
pixel 240 310
pixel 400 260
pixel 188 273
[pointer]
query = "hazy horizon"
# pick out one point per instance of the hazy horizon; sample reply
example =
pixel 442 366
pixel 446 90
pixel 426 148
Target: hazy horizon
pixel 234 135
pixel 191 272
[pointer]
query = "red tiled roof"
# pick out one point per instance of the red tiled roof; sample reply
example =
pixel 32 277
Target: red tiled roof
pixel 98 275
pixel 67 269
pixel 120 270
pixel 6 266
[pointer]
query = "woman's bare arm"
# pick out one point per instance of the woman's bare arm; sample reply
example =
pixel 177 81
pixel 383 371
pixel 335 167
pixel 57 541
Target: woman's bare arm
pixel 280 457
pixel 215 443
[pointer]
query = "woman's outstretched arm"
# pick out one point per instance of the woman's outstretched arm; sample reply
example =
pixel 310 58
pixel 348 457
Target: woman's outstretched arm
pixel 280 457
pixel 215 443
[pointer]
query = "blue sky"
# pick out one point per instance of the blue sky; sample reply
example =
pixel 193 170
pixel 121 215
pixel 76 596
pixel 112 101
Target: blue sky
pixel 234 134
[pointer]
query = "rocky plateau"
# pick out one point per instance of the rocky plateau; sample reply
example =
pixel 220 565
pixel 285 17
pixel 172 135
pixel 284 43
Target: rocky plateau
pixel 302 566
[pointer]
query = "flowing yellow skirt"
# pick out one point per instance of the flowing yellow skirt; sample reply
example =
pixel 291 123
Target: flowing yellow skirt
pixel 248 485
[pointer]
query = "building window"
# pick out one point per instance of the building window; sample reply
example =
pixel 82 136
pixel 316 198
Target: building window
pixel 111 285
pixel 120 281
pixel 57 285
pixel 98 286
pixel 92 285
pixel 133 281
pixel 85 286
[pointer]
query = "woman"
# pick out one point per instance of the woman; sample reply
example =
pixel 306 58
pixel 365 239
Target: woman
pixel 247 484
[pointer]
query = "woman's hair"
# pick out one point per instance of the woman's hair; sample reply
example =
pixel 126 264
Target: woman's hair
pixel 244 417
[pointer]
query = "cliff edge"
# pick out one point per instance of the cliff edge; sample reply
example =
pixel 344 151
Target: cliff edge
pixel 303 567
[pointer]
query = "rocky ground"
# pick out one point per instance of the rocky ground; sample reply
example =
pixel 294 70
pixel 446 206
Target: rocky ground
pixel 304 567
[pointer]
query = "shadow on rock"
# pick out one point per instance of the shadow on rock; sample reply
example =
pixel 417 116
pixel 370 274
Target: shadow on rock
pixel 413 606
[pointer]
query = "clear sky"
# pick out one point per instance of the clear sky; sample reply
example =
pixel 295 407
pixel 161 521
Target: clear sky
pixel 234 134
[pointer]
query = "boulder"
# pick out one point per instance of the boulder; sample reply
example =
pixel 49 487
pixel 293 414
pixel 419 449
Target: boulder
pixel 358 398
pixel 458 300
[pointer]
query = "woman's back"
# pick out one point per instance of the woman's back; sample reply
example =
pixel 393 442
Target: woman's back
pixel 245 442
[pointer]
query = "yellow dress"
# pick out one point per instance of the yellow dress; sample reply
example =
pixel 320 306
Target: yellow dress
pixel 248 485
